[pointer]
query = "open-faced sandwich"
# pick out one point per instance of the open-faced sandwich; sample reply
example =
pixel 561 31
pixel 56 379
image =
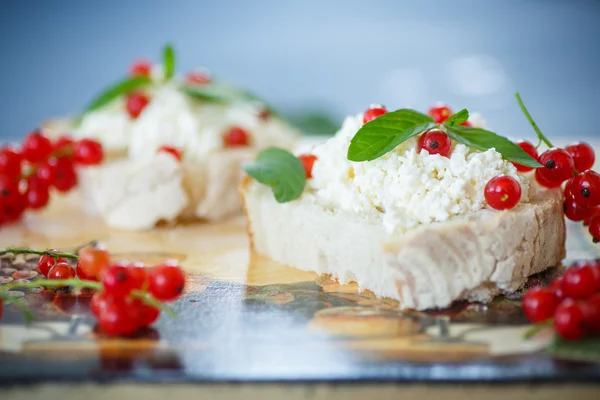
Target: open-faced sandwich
pixel 173 146
pixel 425 209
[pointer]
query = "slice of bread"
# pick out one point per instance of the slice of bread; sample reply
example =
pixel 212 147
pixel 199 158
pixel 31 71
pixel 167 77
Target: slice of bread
pixel 137 194
pixel 472 257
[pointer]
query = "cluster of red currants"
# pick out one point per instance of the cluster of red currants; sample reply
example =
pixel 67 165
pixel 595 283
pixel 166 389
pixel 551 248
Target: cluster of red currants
pixel 119 305
pixel 137 101
pixel 28 174
pixel 571 302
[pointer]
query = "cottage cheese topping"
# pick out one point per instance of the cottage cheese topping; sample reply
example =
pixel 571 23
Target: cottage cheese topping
pixel 175 119
pixel 405 188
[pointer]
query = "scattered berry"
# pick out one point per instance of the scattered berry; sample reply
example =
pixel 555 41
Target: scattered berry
pixel 197 78
pixel 141 68
pixel 502 192
pixel 98 303
pixel 582 154
pixel 529 149
pixel 61 270
pixel 373 113
pixel 10 162
pixel 580 282
pixel 36 147
pixel 138 276
pixel 175 152
pixel 539 304
pixel 135 104
pixel 88 152
pixel 92 262
pixel 574 211
pixel 166 282
pixel 585 189
pixel 116 280
pixel 435 142
pixel 65 175
pixel 557 167
pixel 37 197
pixel 46 262
pixel 45 174
pixel 308 160
pixel 440 113
pixel 236 137
pixel 569 320
pixel 117 318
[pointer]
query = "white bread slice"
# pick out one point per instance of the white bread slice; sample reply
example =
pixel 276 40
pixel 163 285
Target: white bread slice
pixel 473 257
pixel 206 190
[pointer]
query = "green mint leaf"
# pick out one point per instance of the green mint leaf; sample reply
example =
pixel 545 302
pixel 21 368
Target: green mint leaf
pixel 481 139
pixel 586 349
pixel 120 88
pixel 169 61
pixel 280 170
pixel 384 133
pixel 206 93
pixel 537 130
pixel 457 118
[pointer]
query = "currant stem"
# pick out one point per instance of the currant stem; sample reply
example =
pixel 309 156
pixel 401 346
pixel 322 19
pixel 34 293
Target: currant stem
pixel 532 122
pixel 535 329
pixel 55 254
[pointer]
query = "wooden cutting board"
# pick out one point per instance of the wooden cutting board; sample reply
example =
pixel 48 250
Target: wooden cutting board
pixel 247 318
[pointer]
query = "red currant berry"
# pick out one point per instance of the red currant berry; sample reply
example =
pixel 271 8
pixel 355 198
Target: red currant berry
pixel 65 176
pixel 63 146
pixel 138 276
pixel 116 280
pixel 569 320
pixel 557 167
pixel 92 262
pixel 502 192
pixel 594 212
pixel 197 78
pixel 539 304
pixel 44 174
pixel 141 68
pixel 440 113
pixel 98 303
pixel 574 211
pixel 88 152
pixel 373 113
pixel 582 154
pixel 166 282
pixel 12 209
pixel 594 229
pixel 9 188
pixel 585 189
pixel 529 149
pixel 556 285
pixel 117 318
pixel 175 152
pixel 46 262
pixel 592 311
pixel 236 137
pixel 308 160
pixel 10 162
pixel 37 197
pixel 466 123
pixel 145 314
pixel 579 282
pixel 435 142
pixel 135 104
pixel 61 270
pixel 36 147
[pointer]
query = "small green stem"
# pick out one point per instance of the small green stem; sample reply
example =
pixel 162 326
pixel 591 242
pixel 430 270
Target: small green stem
pixel 535 329
pixel 55 254
pixel 532 122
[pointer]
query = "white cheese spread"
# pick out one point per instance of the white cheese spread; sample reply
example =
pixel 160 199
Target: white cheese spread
pixel 405 188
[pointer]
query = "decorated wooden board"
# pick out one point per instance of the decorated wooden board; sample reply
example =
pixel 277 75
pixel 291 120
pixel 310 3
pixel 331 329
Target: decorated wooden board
pixel 247 318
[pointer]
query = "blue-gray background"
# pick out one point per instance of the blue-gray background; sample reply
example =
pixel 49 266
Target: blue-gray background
pixel 336 56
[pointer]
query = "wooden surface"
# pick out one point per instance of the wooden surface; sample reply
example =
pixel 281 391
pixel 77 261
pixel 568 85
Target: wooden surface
pixel 245 318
